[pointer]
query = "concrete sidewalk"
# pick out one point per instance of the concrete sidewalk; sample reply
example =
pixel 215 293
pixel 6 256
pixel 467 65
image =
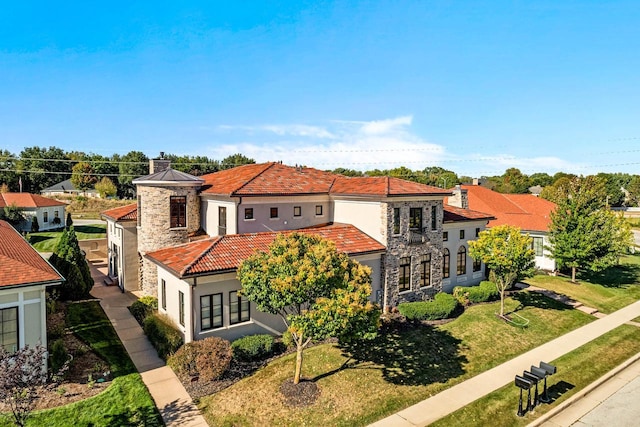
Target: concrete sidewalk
pixel 171 398
pixel 458 396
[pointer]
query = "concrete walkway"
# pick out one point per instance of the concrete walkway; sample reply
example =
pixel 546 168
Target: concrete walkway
pixel 171 398
pixel 458 396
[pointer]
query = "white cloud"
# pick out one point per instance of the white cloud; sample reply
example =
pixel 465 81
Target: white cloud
pixel 378 127
pixel 290 129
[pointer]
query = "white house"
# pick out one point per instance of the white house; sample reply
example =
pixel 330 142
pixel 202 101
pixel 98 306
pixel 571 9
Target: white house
pixel 49 212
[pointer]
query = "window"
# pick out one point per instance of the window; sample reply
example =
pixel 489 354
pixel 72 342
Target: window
pixel 248 213
pixel 56 214
pixel 163 293
pixel 425 270
pixel 477 265
pixel 273 213
pixel 404 283
pixel 461 234
pixel 396 220
pixel 445 236
pixel 9 329
pixel 477 231
pixel 139 210
pixel 181 307
pixel 45 216
pixel 446 261
pixel 222 220
pixel 434 219
pixel 211 311
pixel 319 210
pixel 537 245
pixel 462 261
pixel 238 308
pixel 415 218
pixel 297 211
pixel 178 211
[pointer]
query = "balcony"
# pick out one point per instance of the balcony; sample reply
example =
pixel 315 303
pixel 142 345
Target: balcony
pixel 417 236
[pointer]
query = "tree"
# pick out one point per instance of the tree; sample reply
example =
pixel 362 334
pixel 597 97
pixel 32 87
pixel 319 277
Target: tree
pixel 69 260
pixel 35 227
pixel 132 165
pixel 235 160
pixel 8 175
pixel 69 221
pixel 541 178
pixel 513 181
pixel 584 233
pixel 42 167
pixel 13 215
pixel 507 253
pixel 634 190
pixel 106 188
pixel 82 176
pixel 318 291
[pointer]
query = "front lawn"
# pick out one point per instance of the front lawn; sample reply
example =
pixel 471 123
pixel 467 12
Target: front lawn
pixel 405 364
pixel 576 370
pixel 125 402
pixel 47 241
pixel 608 291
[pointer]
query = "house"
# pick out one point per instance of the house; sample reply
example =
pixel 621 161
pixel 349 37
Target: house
pixel 66 188
pixel 529 213
pixel 193 232
pixel 49 212
pixel 24 277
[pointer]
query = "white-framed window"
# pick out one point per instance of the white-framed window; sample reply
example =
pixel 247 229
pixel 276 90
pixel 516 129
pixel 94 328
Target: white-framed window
pixel 9 329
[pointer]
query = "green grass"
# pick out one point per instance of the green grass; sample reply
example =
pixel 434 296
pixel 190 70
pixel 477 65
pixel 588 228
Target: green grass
pixel 576 370
pixel 47 241
pixel 405 364
pixel 125 402
pixel 608 291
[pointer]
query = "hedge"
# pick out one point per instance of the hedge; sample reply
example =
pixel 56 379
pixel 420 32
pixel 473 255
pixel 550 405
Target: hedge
pixel 143 308
pixel 441 307
pixel 486 291
pixel 163 335
pixel 206 359
pixel 252 347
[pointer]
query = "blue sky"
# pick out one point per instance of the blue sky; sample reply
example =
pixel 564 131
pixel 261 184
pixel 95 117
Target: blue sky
pixel 471 86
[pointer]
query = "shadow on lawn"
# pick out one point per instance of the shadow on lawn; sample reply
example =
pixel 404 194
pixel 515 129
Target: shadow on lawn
pixel 408 354
pixel 144 416
pixel 614 277
pixel 33 239
pixel 536 299
pixel 89 229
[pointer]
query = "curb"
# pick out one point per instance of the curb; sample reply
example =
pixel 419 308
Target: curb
pixel 585 391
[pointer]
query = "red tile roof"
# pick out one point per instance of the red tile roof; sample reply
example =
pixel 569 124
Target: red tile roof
pixel 225 253
pixel 454 214
pixel 27 200
pixel 279 179
pixel 122 213
pixel 20 264
pixel 528 212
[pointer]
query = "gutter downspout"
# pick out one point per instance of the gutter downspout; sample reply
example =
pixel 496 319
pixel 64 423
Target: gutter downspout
pixel 193 310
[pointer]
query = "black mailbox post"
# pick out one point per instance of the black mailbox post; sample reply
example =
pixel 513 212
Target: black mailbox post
pixel 523 384
pixel 549 370
pixel 542 375
pixel 534 380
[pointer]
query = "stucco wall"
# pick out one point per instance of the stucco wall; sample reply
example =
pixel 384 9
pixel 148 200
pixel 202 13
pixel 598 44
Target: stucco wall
pixel 454 242
pixel 209 220
pixel 366 215
pixel 31 313
pixel 286 219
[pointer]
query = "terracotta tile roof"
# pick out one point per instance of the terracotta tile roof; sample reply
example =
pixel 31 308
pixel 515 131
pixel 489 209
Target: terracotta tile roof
pixel 20 264
pixel 225 253
pixel 455 214
pixel 528 212
pixel 27 200
pixel 383 186
pixel 279 179
pixel 122 213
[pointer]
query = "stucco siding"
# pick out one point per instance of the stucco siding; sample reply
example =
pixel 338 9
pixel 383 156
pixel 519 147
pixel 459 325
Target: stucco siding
pixel 30 302
pixel 209 220
pixel 293 213
pixel 366 215
pixel 453 244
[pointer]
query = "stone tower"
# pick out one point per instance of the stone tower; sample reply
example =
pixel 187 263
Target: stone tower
pixel 168 214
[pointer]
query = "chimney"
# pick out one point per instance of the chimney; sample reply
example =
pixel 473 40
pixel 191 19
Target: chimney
pixel 459 198
pixel 160 164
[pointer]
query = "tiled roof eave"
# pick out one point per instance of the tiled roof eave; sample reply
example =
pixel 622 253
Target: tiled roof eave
pixel 51 282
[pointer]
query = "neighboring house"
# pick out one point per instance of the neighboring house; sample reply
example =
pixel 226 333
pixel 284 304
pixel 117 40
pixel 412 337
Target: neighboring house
pixel 66 188
pixel 193 232
pixel 50 212
pixel 24 277
pixel 529 213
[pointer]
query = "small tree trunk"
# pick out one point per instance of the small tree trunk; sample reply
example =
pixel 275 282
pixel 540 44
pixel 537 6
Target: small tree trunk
pixel 573 274
pixel 299 348
pixel 502 302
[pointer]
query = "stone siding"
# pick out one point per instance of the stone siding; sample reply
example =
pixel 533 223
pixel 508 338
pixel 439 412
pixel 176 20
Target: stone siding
pixel 399 246
pixel 155 232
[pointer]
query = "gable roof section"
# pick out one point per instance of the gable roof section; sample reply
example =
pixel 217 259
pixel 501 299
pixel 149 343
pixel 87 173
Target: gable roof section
pixel 20 264
pixel 225 253
pixel 27 200
pixel 122 213
pixel 528 212
pixel 455 214
pixel 382 186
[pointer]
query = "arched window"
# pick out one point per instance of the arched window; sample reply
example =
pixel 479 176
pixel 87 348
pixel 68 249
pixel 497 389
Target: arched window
pixel 462 261
pixel 446 261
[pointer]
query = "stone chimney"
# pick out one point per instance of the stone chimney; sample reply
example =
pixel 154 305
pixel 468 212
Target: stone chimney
pixel 160 164
pixel 459 198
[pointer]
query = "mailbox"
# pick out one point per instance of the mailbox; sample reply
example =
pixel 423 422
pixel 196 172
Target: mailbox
pixel 534 380
pixel 523 383
pixel 549 368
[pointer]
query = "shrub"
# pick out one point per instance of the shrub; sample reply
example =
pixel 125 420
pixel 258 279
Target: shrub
pixel 35 227
pixel 287 339
pixel 143 308
pixel 163 335
pixel 486 291
pixel 441 307
pixel 207 359
pixel 253 347
pixel 58 355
